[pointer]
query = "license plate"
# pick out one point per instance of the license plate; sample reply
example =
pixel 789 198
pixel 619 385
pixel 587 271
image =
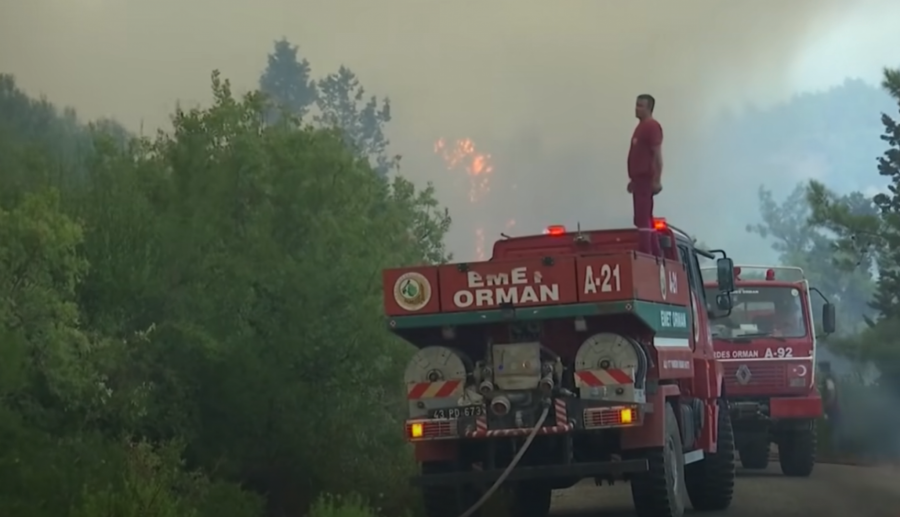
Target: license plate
pixel 457 412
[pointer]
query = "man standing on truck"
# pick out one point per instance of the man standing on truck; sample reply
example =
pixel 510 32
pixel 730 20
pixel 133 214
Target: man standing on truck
pixel 645 170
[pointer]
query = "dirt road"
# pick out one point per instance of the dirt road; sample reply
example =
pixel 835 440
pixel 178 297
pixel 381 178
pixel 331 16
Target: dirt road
pixel 831 491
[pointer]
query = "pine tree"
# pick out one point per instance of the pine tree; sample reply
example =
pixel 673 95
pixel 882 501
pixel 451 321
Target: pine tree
pixel 287 82
pixel 342 105
pixel 887 299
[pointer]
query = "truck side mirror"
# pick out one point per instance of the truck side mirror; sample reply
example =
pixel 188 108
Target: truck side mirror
pixel 725 277
pixel 828 318
pixel 723 302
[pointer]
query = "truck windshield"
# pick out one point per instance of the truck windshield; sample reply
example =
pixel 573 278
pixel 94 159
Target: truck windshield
pixel 762 311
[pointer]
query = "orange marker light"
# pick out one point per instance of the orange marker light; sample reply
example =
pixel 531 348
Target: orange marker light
pixel 416 430
pixel 660 224
pixel 626 416
pixel 556 229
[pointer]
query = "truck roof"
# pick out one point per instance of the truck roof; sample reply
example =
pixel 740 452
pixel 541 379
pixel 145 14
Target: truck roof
pixel 568 243
pixel 751 273
pixel 565 244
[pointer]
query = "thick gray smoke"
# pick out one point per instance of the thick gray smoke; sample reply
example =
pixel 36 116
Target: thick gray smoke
pixel 546 87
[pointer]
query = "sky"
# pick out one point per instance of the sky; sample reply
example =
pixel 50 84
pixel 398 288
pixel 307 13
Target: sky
pixel 545 88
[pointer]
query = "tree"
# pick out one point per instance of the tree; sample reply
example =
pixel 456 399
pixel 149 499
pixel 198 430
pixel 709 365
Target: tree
pixel 254 255
pixel 874 237
pixel 71 425
pixel 340 101
pixel 201 314
pixel 843 278
pixel 342 105
pixel 287 82
pixel 784 223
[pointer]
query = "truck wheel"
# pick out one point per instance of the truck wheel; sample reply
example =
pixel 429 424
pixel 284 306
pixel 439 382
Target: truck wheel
pixel 710 481
pixel 531 499
pixel 446 500
pixel 797 451
pixel 660 491
pixel 755 453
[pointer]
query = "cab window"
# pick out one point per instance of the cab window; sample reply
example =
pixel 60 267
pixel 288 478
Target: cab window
pixel 763 311
pixel 689 258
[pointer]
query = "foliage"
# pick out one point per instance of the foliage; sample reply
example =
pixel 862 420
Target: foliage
pixel 874 237
pixel 342 104
pixel 286 81
pixel 339 101
pixel 192 323
pixel 349 506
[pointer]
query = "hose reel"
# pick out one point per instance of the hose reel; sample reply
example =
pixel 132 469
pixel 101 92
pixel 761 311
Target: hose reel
pixel 436 378
pixel 437 363
pixel 610 366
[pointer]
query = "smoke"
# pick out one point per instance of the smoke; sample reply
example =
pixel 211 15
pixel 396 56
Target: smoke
pixel 547 88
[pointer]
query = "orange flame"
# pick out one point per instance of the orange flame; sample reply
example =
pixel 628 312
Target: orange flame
pixel 462 154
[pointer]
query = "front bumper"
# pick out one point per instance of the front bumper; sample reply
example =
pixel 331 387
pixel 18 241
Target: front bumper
pixel 794 408
pixel 777 408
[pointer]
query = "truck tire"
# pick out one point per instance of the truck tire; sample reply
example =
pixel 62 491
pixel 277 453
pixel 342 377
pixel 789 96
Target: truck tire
pixel 531 499
pixel 660 491
pixel 797 451
pixel 755 453
pixel 710 481
pixel 446 500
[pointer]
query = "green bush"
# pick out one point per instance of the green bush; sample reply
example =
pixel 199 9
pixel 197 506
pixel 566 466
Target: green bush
pixel 154 483
pixel 341 506
pixel 212 293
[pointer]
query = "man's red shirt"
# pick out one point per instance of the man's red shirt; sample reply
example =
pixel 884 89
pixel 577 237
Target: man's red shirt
pixel 647 135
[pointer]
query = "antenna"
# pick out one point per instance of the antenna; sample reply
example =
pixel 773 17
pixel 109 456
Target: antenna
pixel 580 237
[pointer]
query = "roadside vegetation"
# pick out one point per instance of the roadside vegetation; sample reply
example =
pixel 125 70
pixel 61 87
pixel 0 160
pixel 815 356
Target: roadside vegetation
pixel 849 245
pixel 190 324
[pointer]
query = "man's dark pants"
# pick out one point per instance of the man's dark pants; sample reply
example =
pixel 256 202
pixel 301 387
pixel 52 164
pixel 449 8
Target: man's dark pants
pixel 642 196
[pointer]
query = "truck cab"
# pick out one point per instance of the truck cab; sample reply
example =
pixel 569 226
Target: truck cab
pixel 767 344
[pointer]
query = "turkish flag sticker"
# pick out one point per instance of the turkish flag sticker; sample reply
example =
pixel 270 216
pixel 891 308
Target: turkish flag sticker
pixel 799 370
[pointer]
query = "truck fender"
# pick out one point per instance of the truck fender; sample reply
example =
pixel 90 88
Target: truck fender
pixel 651 433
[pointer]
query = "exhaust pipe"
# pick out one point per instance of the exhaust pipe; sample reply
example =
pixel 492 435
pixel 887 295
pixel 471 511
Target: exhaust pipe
pixel 500 405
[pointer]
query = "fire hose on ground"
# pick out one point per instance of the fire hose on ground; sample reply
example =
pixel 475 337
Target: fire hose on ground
pixel 512 465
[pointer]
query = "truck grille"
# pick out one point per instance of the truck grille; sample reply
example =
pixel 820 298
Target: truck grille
pixel 759 378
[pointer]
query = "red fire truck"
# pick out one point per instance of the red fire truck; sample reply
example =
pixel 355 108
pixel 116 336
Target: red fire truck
pixel 565 356
pixel 767 343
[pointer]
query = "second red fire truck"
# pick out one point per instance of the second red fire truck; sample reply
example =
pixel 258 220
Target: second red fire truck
pixel 767 343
